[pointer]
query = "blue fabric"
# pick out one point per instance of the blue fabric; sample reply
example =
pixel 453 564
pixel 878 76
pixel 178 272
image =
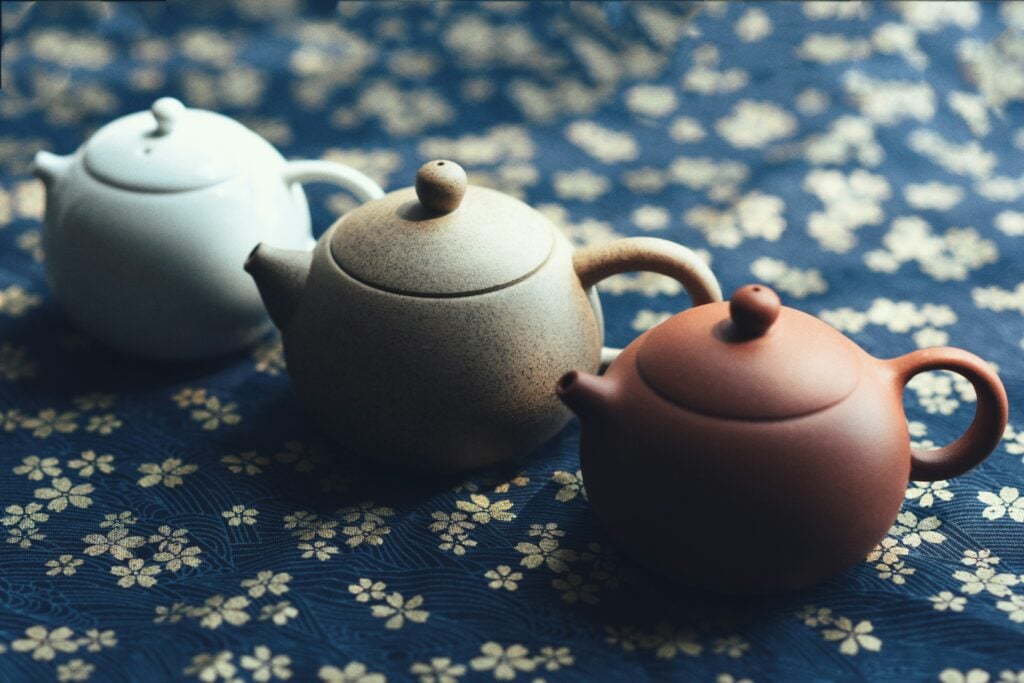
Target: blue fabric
pixel 166 523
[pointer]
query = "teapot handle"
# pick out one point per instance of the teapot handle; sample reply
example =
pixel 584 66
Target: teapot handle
pixel 312 170
pixel 986 429
pixel 596 262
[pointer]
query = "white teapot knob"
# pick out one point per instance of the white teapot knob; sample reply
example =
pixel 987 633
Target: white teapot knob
pixel 166 111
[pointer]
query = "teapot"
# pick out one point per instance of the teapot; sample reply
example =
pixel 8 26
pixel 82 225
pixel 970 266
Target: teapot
pixel 147 226
pixel 428 328
pixel 747 447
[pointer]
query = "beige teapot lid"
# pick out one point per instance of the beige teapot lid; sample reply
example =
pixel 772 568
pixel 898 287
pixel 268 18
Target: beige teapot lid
pixel 442 238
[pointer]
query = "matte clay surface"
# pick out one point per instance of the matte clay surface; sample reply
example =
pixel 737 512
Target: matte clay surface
pixel 808 495
pixel 434 340
pixel 429 383
pixel 399 245
pixel 796 366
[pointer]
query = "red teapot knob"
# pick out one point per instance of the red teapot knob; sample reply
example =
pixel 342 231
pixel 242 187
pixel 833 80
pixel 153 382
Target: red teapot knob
pixel 753 309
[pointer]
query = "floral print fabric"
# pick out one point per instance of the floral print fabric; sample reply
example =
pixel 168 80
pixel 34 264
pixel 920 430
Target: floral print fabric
pixel 187 522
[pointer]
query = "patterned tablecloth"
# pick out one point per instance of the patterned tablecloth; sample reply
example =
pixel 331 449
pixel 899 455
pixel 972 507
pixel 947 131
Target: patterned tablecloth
pixel 165 523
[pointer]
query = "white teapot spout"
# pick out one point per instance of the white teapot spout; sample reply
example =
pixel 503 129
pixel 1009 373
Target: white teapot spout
pixel 50 167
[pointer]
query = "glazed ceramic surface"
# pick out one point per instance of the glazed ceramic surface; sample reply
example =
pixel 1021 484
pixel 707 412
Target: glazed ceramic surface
pixel 770 409
pixel 428 328
pixel 148 224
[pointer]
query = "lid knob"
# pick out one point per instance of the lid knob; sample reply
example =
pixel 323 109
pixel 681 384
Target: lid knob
pixel 753 309
pixel 440 185
pixel 166 111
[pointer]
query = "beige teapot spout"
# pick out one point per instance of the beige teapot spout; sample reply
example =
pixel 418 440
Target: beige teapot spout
pixel 280 276
pixel 50 167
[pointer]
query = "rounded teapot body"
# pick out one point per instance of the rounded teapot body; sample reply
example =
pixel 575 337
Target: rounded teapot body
pixel 159 274
pixel 747 506
pixel 436 382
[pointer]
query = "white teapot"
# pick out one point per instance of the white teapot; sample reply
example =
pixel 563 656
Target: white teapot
pixel 148 224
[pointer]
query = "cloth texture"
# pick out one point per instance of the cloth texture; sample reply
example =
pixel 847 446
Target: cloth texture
pixel 186 522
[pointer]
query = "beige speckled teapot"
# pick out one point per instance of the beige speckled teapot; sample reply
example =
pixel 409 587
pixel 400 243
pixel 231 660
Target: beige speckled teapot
pixel 429 327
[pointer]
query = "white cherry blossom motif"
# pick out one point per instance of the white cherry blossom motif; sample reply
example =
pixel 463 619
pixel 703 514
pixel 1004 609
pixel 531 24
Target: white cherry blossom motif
pixel 396 609
pixel 852 637
pixel 503 577
pixel 117 542
pixel 353 672
pixel 755 215
pixel 267 582
pixel 264 665
pixel 218 609
pixel 928 493
pixel 503 662
pixel 888 102
pixel 950 256
pixel 61 493
pixel 208 667
pixel 1008 502
pixel 136 572
pixel 969 676
pixel 985 579
pixel 279 613
pixel 36 468
pixel 438 670
pixel 945 600
pixel 45 644
pixel 754 124
pixel 851 202
pixel 169 473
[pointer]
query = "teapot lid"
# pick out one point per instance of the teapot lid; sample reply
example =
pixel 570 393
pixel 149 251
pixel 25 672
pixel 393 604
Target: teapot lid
pixel 442 237
pixel 172 148
pixel 749 358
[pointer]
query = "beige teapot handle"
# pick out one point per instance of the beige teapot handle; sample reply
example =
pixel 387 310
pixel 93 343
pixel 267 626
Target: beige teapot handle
pixel 989 422
pixel 596 262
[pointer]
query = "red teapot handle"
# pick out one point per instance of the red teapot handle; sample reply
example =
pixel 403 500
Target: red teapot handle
pixel 989 422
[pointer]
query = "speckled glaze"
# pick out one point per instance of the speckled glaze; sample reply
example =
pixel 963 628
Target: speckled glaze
pixel 449 363
pixel 747 447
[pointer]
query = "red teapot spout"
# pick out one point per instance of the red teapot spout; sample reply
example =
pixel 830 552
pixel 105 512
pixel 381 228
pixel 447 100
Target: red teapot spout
pixel 587 395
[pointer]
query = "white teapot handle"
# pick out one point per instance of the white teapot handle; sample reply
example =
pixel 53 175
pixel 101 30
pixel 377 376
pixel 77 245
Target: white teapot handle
pixel 312 170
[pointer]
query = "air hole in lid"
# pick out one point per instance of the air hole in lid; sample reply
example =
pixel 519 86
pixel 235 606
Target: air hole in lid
pixel 440 163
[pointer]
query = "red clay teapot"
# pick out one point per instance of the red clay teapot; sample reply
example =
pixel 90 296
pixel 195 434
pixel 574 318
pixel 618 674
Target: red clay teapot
pixel 746 447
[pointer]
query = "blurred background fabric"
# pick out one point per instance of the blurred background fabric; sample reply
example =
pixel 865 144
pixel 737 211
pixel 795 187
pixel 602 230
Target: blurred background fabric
pixel 187 523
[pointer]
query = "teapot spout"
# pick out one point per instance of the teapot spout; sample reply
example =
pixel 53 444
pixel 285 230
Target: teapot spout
pixel 50 167
pixel 280 275
pixel 587 395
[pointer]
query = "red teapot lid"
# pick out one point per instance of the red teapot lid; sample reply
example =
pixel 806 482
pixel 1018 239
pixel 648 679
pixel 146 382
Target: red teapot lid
pixel 750 358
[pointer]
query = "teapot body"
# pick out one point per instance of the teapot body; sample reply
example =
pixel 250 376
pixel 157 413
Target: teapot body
pixel 435 382
pixel 158 274
pixel 747 506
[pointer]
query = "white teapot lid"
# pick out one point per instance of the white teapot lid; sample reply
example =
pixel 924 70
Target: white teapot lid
pixel 172 148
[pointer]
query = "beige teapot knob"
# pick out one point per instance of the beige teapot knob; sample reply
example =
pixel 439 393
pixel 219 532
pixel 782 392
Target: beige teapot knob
pixel 753 309
pixel 440 186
